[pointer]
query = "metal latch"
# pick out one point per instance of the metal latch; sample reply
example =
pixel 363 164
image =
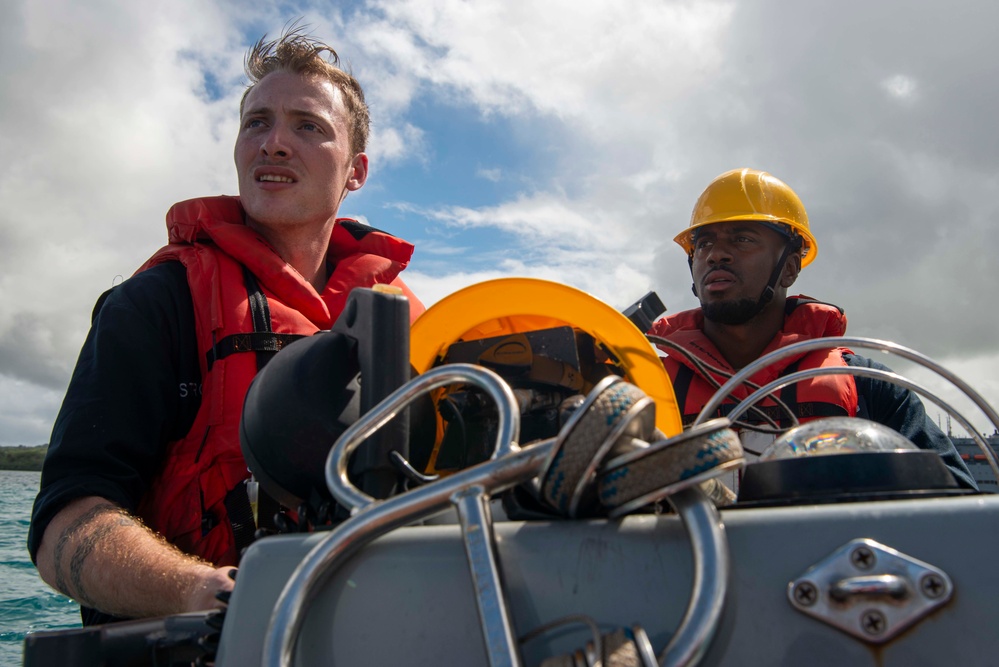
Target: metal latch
pixel 869 590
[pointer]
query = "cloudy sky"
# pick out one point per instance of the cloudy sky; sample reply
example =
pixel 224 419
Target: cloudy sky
pixel 561 139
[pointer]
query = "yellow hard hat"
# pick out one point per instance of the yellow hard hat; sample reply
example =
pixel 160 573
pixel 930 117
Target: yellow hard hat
pixel 750 194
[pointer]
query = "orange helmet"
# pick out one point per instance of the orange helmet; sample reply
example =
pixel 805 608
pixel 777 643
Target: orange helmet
pixel 750 194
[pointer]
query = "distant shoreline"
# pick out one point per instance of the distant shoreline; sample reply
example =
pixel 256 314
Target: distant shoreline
pixel 23 457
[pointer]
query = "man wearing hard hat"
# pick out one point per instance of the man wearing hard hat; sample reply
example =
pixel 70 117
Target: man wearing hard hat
pixel 747 240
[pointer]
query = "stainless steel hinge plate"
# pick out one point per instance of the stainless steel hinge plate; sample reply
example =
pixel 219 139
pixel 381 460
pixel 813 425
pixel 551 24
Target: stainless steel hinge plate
pixel 870 591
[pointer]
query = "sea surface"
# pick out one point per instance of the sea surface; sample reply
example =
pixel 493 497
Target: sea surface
pixel 26 603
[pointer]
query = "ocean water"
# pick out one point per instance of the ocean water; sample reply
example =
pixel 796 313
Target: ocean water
pixel 26 602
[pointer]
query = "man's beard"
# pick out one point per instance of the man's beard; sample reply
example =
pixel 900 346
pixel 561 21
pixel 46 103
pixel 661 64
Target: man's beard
pixel 739 311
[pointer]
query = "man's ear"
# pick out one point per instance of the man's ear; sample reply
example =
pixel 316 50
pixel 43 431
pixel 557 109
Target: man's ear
pixel 792 267
pixel 359 172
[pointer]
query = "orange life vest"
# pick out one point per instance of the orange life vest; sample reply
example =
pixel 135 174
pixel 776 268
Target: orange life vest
pixel 235 278
pixel 805 319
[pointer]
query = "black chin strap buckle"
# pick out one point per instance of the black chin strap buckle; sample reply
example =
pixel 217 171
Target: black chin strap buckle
pixel 793 245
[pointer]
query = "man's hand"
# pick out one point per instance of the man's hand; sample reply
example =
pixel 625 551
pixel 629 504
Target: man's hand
pixel 204 592
pixel 101 556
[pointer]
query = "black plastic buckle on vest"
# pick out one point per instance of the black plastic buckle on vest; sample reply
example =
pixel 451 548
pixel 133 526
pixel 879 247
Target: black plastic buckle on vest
pixel 262 340
pixel 240 512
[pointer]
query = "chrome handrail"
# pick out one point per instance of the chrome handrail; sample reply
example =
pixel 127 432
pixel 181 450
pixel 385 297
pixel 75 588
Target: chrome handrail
pixel 709 546
pixel 508 427
pixel 865 343
pixel 469 490
pixel 863 371
pixel 372 518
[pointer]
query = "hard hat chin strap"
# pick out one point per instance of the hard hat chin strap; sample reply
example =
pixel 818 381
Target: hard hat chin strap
pixel 793 245
pixel 690 266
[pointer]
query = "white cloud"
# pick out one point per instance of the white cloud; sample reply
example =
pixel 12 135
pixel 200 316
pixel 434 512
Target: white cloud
pixel 981 373
pixel 431 289
pixel 109 121
pixel 397 144
pixel 27 411
pixel 493 175
pixel 545 218
pixel 608 72
pixel 900 86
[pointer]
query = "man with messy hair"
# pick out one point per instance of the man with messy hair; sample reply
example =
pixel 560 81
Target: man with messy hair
pixel 144 482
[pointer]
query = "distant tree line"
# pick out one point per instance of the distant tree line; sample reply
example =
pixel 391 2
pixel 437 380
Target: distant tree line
pixel 22 457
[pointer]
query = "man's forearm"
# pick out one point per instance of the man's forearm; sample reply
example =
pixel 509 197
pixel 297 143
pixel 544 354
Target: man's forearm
pixel 98 554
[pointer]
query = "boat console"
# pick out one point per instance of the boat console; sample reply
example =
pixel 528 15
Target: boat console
pixel 528 496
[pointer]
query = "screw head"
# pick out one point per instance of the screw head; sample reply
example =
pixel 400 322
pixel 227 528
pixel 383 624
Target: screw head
pixel 863 558
pixel 932 585
pixel 805 593
pixel 873 622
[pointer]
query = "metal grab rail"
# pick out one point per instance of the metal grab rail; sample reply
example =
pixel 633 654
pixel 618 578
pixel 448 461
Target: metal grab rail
pixel 865 343
pixel 709 547
pixel 894 378
pixel 371 519
pixel 508 427
pixel 468 490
